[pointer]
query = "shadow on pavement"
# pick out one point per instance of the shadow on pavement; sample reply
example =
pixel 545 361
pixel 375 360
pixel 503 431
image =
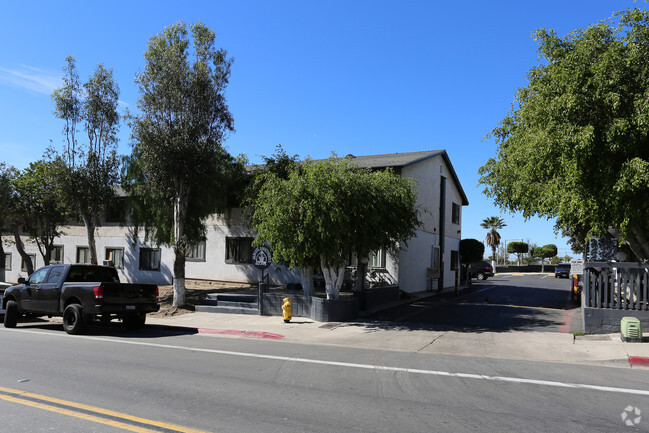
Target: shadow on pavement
pixel 111 329
pixel 480 309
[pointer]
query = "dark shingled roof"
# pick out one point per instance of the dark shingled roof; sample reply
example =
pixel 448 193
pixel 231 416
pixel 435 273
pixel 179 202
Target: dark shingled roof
pixel 394 159
pixel 397 160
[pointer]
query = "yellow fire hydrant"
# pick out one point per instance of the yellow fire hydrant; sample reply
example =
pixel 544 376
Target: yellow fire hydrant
pixel 286 310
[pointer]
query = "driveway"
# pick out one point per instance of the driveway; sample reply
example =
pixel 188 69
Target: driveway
pixel 506 302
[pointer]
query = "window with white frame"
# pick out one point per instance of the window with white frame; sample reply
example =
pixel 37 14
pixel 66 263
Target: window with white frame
pixel 7 263
pixel 238 250
pixel 197 253
pixel 83 255
pixel 56 255
pixel 376 259
pixel 23 266
pixel 149 259
pixel 115 256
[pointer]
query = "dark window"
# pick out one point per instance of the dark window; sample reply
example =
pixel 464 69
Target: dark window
pixel 23 266
pixel 55 274
pixel 238 250
pixel 116 257
pixel 149 259
pixel 83 255
pixel 197 253
pixel 7 264
pixel 456 214
pixel 455 259
pixel 94 274
pixel 56 255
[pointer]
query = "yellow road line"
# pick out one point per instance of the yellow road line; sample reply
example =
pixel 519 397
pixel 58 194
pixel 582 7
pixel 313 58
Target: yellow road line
pixel 26 398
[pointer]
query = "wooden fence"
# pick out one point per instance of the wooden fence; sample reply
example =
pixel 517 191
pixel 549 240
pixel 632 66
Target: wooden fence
pixel 616 286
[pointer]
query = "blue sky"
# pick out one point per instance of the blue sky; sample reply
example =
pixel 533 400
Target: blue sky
pixel 360 77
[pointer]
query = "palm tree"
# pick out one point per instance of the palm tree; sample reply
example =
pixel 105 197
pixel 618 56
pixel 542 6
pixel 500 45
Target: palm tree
pixel 493 237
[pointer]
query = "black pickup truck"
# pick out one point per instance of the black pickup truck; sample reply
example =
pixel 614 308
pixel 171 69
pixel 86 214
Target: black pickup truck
pixel 80 294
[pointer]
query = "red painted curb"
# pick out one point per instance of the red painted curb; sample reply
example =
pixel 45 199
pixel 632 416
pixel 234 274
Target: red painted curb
pixel 251 334
pixel 639 361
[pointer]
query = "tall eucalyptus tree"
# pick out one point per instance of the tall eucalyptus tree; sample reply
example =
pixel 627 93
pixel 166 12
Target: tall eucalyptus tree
pixel 90 169
pixel 179 171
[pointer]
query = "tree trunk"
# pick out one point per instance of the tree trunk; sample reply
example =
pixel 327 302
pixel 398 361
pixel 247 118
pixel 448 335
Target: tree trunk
pixel 180 214
pixel 90 223
pixel 45 249
pixel 179 278
pixel 334 276
pixel 21 248
pixel 306 276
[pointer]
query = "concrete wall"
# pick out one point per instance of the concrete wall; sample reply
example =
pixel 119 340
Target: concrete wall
pixel 318 309
pixel 607 321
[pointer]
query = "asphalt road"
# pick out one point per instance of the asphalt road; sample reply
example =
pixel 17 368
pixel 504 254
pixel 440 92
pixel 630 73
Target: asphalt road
pixel 528 303
pixel 173 381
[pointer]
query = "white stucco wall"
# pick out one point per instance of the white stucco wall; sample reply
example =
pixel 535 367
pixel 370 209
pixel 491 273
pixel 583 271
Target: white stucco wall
pixel 418 257
pixel 214 267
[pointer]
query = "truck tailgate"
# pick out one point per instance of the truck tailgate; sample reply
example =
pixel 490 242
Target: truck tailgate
pixel 121 293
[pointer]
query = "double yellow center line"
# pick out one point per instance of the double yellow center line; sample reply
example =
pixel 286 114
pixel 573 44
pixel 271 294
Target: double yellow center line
pixel 91 413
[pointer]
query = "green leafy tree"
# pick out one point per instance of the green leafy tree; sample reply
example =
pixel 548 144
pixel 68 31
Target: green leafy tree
pixel 325 211
pixel 12 214
pixel 574 145
pixel 7 175
pixel 88 171
pixel 179 172
pixel 471 251
pixel 493 224
pixel 37 198
pixel 544 252
pixel 518 248
pixel 279 163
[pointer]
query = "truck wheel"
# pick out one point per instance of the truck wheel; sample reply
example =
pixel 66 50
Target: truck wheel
pixel 74 320
pixel 11 314
pixel 481 276
pixel 133 322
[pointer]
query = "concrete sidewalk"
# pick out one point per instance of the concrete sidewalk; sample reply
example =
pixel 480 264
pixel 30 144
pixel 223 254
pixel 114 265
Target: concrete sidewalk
pixel 607 350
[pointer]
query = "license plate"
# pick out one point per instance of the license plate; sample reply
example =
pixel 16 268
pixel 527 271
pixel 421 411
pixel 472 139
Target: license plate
pixel 130 307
